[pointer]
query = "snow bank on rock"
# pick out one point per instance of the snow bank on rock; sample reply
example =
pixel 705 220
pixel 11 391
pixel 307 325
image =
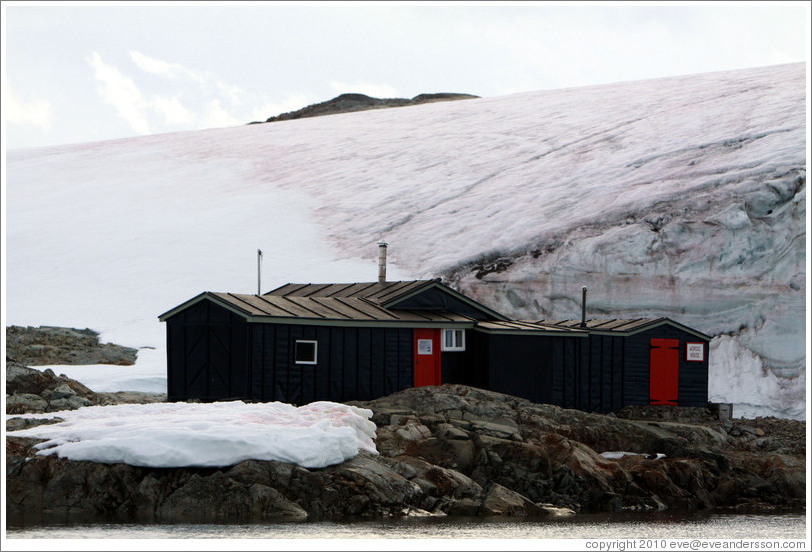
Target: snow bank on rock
pixel 170 435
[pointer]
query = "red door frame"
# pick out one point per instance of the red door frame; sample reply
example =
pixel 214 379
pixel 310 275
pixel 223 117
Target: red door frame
pixel 427 357
pixel 664 372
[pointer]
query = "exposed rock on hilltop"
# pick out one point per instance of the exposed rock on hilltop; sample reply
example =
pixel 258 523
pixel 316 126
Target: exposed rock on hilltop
pixel 449 450
pixel 47 345
pixel 360 102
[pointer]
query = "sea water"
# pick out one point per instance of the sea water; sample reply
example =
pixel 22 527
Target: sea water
pixel 632 527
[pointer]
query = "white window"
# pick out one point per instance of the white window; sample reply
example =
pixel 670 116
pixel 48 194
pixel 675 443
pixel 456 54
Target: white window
pixel 453 340
pixel 305 351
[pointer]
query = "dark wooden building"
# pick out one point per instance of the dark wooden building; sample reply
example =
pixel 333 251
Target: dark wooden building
pixel 634 362
pixel 308 342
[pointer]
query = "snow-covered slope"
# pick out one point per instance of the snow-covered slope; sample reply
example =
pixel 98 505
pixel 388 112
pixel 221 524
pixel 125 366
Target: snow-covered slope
pixel 682 197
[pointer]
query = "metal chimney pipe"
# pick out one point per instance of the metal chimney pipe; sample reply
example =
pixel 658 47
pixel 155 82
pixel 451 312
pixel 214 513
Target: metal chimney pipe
pixel 382 262
pixel 259 271
pixel 583 307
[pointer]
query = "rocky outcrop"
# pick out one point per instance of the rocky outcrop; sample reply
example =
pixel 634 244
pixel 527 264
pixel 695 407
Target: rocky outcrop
pixel 49 345
pixel 30 390
pixel 449 450
pixel 346 103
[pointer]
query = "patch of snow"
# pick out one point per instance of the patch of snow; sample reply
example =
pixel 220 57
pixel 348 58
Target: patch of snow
pixel 170 435
pixel 148 375
pixel 616 455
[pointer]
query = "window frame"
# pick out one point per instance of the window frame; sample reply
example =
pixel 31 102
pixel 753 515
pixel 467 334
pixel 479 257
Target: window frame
pixel 456 346
pixel 315 352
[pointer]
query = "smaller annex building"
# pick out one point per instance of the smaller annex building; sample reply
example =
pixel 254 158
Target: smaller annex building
pixel 302 343
pixel 635 361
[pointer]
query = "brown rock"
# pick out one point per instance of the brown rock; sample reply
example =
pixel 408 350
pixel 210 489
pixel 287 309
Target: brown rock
pixel 500 501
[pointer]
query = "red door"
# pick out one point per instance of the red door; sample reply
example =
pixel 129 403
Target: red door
pixel 426 357
pixel 664 371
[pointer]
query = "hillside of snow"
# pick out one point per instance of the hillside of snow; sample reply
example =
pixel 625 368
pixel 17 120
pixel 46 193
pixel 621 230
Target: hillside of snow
pixel 682 197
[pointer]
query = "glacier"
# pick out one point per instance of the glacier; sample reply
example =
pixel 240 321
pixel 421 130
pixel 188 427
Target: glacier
pixel 682 197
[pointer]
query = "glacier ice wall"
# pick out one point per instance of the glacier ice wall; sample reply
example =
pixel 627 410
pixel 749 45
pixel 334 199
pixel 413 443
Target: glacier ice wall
pixel 732 267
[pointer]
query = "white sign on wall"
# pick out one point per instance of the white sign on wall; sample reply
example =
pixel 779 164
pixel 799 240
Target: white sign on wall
pixel 424 346
pixel 695 352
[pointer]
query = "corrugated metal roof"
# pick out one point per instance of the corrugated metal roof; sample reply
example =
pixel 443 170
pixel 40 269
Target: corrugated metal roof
pixel 618 325
pixel 607 325
pixel 624 326
pixel 387 295
pixel 316 307
pixel 362 303
pixel 373 291
pixel 519 326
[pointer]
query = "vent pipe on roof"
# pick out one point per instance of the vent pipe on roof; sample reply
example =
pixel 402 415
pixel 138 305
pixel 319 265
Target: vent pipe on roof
pixel 382 262
pixel 583 307
pixel 259 271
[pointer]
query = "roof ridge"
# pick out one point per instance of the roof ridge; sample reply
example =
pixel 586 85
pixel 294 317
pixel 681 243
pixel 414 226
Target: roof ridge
pixel 398 288
pixel 326 306
pixel 377 306
pixel 238 298
pixel 343 301
pixel 275 305
pixel 302 306
pixel 342 288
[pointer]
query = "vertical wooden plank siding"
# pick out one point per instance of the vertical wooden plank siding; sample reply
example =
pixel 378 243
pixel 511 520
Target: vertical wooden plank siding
pixel 206 354
pixel 377 356
pixel 336 359
pixel 617 374
pixel 215 354
pixel 391 362
pixel 405 369
pixel 352 363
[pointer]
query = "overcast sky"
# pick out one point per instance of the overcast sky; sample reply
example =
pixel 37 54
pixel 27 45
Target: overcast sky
pixel 77 73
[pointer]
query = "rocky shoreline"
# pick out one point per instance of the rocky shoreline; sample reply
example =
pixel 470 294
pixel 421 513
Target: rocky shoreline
pixel 443 451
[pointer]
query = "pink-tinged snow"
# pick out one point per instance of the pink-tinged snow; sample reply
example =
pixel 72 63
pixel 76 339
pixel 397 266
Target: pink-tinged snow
pixel 681 197
pixel 170 435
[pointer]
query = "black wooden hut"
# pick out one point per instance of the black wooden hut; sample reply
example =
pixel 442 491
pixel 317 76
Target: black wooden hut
pixel 638 361
pixel 308 342
pixel 524 359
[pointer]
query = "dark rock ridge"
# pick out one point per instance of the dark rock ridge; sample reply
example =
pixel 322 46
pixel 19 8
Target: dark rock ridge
pixel 46 345
pixel 448 450
pixel 346 103
pixel 30 390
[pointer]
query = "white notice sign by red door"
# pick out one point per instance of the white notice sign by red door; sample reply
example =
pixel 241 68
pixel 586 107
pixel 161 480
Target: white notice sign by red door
pixel 424 346
pixel 695 352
